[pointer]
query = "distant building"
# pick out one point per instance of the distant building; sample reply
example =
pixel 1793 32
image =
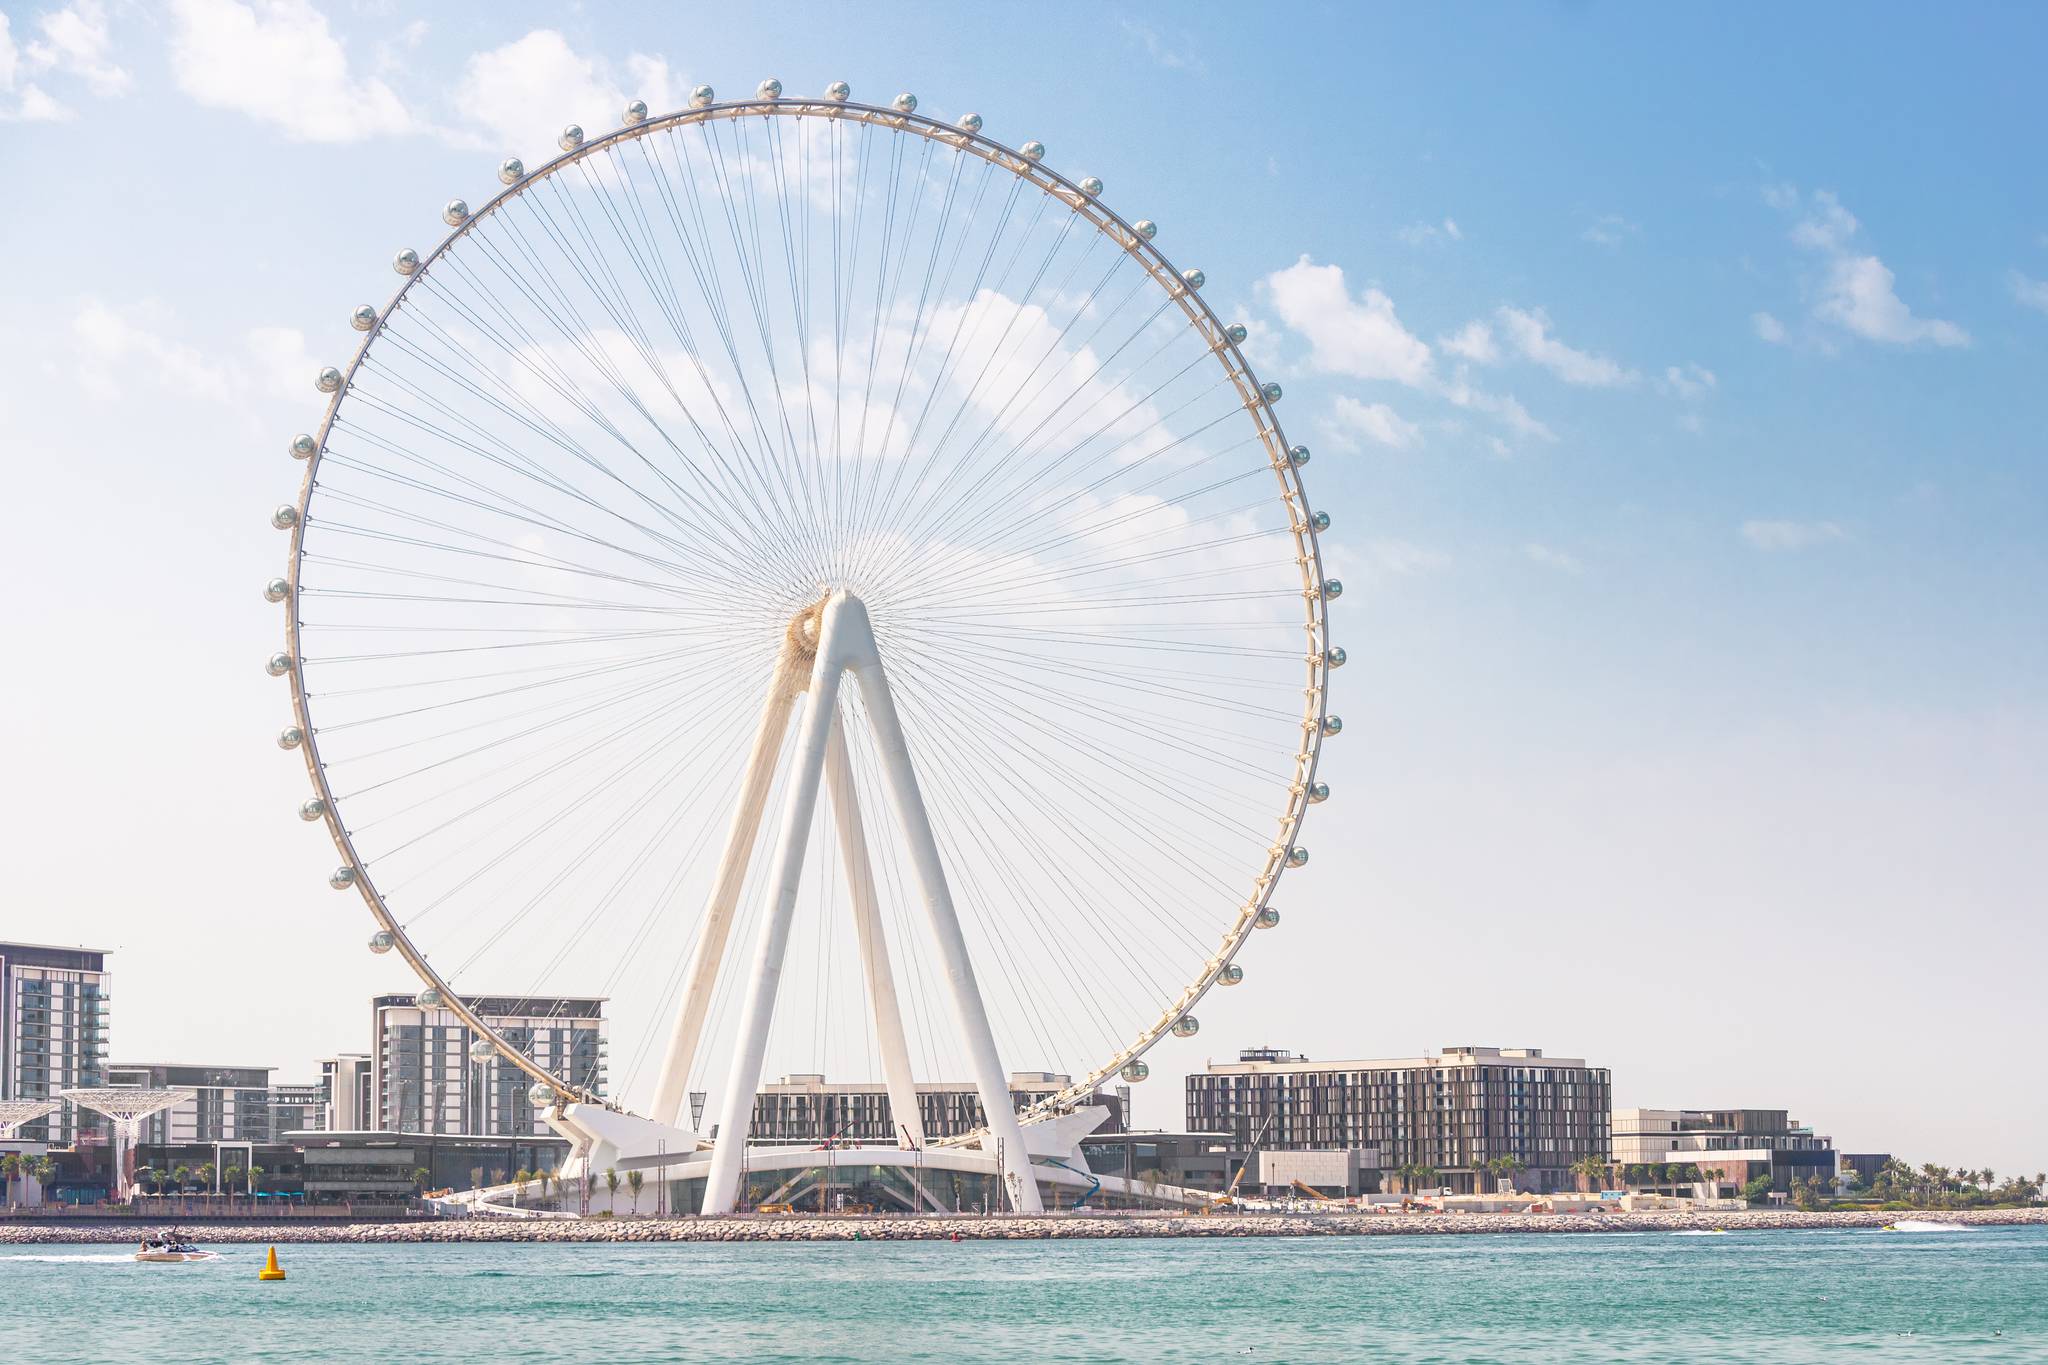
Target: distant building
pixel 53 1032
pixel 349 1100
pixel 228 1104
pixel 1736 1145
pixel 805 1107
pixel 427 1078
pixel 1864 1165
pixel 1192 1161
pixel 373 1169
pixel 1454 1112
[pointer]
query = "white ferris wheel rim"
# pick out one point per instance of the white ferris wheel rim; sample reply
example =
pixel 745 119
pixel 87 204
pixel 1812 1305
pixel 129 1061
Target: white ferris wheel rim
pixel 1200 318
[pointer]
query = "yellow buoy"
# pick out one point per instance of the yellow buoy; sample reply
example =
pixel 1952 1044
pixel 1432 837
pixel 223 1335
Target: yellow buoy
pixel 271 1269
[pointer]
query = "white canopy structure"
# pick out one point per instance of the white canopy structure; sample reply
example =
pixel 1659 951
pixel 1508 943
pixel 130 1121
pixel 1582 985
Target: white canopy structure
pixel 127 1106
pixel 15 1113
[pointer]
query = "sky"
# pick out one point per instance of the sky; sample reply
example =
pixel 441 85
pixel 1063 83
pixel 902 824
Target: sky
pixel 1674 383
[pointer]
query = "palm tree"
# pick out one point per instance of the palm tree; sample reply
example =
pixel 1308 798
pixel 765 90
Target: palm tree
pixel 43 1169
pixel 205 1176
pixel 10 1167
pixel 420 1176
pixel 180 1175
pixel 611 1185
pixel 476 1177
pixel 634 1179
pixel 519 1180
pixel 547 1178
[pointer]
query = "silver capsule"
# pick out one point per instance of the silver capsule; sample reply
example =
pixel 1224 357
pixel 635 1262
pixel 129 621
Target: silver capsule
pixel 328 380
pixel 285 517
pixel 406 262
pixel 905 103
pixel 1320 521
pixel 1334 656
pixel 1231 975
pixel 1269 918
pixel 383 941
pixel 770 89
pixel 456 213
pixel 702 96
pixel 1091 186
pixel 971 122
pixel 303 445
pixel 429 999
pixel 1033 150
pixel 541 1095
pixel 1237 332
pixel 277 665
pixel 363 318
pixel 636 113
pixel 571 138
pixel 1297 856
pixel 839 92
pixel 1318 792
pixel 1194 279
pixel 1187 1026
pixel 312 809
pixel 1270 391
pixel 1146 228
pixel 1333 725
pixel 1134 1072
pixel 482 1050
pixel 1298 456
pixel 342 878
pixel 511 170
pixel 276 590
pixel 1333 588
pixel 291 737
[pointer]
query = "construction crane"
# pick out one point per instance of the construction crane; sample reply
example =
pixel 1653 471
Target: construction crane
pixel 1312 1192
pixel 1228 1199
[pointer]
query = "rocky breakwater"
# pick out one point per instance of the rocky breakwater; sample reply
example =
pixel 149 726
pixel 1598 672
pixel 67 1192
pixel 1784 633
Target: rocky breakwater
pixel 796 1228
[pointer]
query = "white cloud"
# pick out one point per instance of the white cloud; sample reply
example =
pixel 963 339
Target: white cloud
pixel 1351 422
pixel 1422 234
pixel 1360 337
pixel 75 41
pixel 1610 230
pixel 2032 293
pixel 1690 382
pixel 115 350
pixel 1474 342
pixel 1858 291
pixel 1529 334
pixel 520 95
pixel 1504 407
pixel 1551 558
pixel 1179 56
pixel 1791 535
pixel 277 61
pixel 1768 328
pixel 283 365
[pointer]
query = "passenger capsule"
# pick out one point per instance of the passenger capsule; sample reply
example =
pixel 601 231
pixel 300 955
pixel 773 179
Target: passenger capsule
pixel 1269 918
pixel 1320 521
pixel 1333 588
pixel 456 214
pixel 1195 279
pixel 342 878
pixel 1333 725
pixel 1237 333
pixel 511 170
pixel 1230 975
pixel 312 809
pixel 429 999
pixel 1146 228
pixel 971 122
pixel 406 262
pixel 303 445
pixel 284 517
pixel 1033 150
pixel 1318 792
pixel 364 317
pixel 905 103
pixel 839 92
pixel 1134 1072
pixel 1187 1026
pixel 1270 391
pixel 328 380
pixel 571 138
pixel 1297 856
pixel 291 737
pixel 482 1050
pixel 770 89
pixel 636 113
pixel 1298 456
pixel 1091 187
pixel 383 941
pixel 540 1095
pixel 701 97
pixel 278 665
pixel 1334 656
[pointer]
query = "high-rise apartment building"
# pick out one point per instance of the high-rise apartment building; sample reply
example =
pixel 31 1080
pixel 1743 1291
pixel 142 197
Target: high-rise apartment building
pixel 427 1078
pixel 227 1103
pixel 345 1084
pixel 53 1031
pixel 1453 1113
pixel 809 1108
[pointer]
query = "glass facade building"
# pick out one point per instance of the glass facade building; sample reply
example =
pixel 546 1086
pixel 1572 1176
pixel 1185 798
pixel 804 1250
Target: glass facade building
pixel 427 1078
pixel 54 1004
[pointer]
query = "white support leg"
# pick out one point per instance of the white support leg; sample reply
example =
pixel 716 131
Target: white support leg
pixel 874 944
pixel 990 1080
pixel 736 1112
pixel 700 980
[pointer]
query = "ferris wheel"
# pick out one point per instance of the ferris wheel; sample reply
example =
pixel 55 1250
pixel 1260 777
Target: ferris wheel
pixel 816 576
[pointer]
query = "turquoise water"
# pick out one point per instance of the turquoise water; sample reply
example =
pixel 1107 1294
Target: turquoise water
pixel 1762 1296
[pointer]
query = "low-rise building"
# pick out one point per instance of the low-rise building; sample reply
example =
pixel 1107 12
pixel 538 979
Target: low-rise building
pixel 1734 1146
pixel 1191 1161
pixel 805 1107
pixel 1453 1113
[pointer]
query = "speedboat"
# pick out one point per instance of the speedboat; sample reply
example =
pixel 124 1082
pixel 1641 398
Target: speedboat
pixel 171 1249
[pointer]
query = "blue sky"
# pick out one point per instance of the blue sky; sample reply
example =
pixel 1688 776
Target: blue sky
pixel 1674 382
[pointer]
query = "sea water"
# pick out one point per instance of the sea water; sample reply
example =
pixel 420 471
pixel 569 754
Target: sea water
pixel 1749 1296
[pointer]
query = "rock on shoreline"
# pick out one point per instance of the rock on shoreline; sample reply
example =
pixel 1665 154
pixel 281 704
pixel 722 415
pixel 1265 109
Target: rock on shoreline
pixel 789 1228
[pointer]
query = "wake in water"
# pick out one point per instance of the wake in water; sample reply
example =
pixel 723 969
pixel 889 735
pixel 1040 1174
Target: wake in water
pixel 119 1258
pixel 1923 1225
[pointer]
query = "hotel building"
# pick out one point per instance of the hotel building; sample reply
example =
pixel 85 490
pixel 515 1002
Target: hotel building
pixel 1455 1111
pixel 53 1031
pixel 1737 1145
pixel 426 1078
